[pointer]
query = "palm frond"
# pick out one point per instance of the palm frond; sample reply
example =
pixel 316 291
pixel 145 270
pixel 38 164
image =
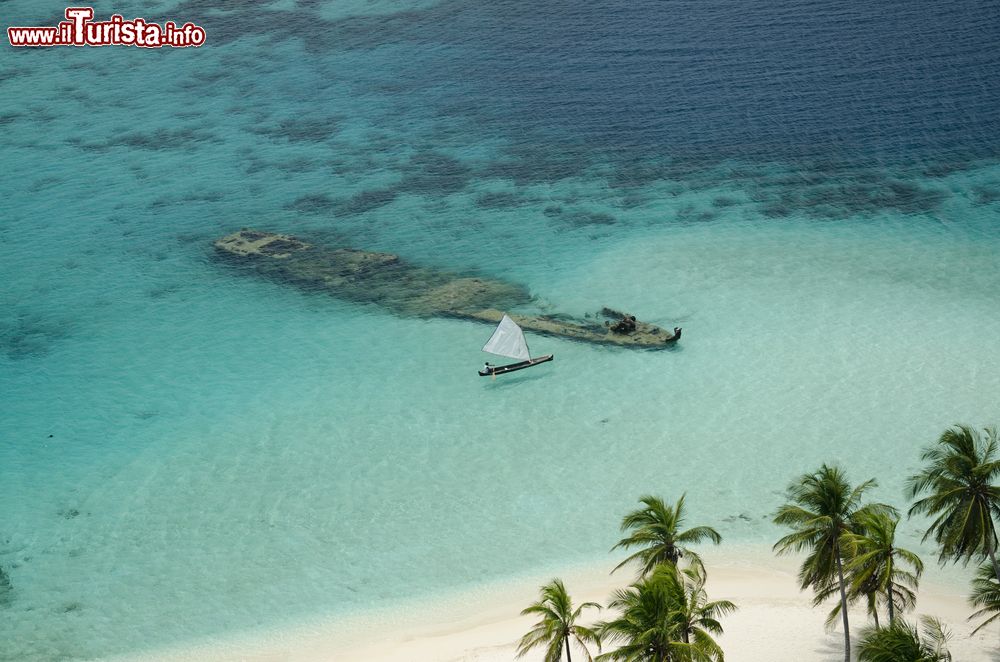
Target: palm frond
pixel 902 642
pixel 655 529
pixel 958 494
pixel 657 613
pixel 556 624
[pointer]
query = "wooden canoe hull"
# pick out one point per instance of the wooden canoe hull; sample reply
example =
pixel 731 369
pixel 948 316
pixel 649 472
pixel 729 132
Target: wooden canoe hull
pixel 514 367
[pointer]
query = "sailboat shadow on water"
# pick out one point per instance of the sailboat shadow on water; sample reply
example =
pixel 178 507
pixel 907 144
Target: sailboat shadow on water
pixel 514 380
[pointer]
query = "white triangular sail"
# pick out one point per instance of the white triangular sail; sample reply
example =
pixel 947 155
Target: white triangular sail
pixel 508 340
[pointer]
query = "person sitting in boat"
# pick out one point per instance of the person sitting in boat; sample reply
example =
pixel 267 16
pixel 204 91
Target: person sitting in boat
pixel 487 367
pixel 627 324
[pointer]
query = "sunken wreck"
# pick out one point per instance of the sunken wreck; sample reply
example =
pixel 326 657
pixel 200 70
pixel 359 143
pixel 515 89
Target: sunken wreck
pixel 413 290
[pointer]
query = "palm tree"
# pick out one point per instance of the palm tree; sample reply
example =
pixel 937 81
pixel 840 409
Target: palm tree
pixel 655 529
pixel 823 507
pixel 644 629
pixel 985 596
pixel 865 591
pixel 876 565
pixel 698 617
pixel 558 627
pixel 959 479
pixel 665 617
pixel 901 642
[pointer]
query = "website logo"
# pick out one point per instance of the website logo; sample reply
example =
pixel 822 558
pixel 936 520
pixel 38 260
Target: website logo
pixel 79 29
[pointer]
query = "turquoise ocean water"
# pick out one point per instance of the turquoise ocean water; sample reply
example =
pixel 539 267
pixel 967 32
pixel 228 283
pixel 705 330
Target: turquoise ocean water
pixel 812 192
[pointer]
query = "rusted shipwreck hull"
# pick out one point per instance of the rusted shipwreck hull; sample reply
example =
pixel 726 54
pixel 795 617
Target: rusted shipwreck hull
pixel 412 290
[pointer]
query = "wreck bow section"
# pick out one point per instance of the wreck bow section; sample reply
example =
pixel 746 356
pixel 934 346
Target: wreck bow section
pixel 407 289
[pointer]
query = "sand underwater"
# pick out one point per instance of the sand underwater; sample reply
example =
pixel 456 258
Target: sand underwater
pixel 186 452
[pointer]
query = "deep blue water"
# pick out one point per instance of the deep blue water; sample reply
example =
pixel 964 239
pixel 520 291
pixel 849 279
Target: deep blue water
pixel 877 82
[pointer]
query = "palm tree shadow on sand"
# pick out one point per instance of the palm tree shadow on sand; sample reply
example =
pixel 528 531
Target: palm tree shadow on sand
pixel 830 651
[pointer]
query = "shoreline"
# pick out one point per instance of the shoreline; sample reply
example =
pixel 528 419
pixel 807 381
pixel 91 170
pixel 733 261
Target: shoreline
pixel 775 621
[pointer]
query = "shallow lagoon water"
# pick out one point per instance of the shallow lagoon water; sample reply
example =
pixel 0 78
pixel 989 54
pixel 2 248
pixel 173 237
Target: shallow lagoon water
pixel 187 451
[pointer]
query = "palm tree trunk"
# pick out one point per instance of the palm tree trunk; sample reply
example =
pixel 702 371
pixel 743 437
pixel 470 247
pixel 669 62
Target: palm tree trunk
pixel 843 608
pixel 568 658
pixel 889 569
pixel 875 613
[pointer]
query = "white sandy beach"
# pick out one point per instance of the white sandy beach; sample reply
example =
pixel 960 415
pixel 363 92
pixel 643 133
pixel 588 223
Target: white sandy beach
pixel 775 622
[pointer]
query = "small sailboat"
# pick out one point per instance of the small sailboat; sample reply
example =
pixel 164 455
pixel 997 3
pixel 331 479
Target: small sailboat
pixel 508 340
